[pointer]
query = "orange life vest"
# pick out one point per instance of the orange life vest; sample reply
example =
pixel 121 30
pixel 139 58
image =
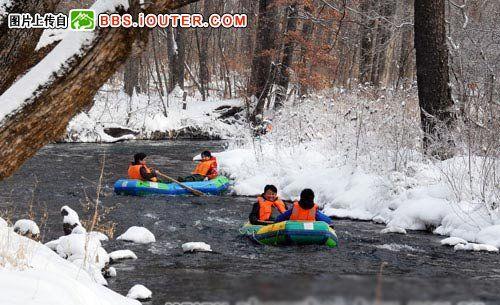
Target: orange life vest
pixel 134 172
pixel 266 208
pixel 300 214
pixel 204 167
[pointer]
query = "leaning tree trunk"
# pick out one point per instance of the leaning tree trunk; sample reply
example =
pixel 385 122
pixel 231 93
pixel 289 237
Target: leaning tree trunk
pixel 17 46
pixel 286 62
pixel 434 94
pixel 261 78
pixel 43 117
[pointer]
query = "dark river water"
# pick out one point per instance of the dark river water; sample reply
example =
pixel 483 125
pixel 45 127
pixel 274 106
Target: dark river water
pixel 416 268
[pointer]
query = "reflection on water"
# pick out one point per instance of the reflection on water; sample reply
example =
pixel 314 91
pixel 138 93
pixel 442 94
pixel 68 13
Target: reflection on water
pixel 418 267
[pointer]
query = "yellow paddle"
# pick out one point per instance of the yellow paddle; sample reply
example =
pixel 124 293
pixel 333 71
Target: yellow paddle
pixel 192 190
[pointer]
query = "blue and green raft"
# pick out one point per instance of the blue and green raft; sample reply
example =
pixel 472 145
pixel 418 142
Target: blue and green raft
pixel 215 186
pixel 292 233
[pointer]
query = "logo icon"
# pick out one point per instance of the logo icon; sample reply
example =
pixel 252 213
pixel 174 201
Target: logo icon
pixel 82 20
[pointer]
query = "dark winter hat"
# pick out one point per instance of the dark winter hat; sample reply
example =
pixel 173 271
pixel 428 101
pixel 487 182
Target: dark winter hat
pixel 139 157
pixel 306 199
pixel 270 187
pixel 206 153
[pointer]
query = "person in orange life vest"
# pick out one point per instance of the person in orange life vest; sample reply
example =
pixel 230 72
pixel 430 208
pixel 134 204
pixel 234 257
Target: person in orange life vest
pixel 139 170
pixel 304 210
pixel 206 169
pixel 262 210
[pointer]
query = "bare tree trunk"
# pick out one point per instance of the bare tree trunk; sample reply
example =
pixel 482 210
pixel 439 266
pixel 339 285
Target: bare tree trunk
pixel 287 60
pixel 434 94
pixel 260 79
pixel 131 75
pixel 367 33
pixel 307 31
pixel 17 46
pixel 384 47
pixel 406 58
pixel 44 116
pixel 176 57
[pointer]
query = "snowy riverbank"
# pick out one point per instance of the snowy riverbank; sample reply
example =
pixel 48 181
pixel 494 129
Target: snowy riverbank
pixel 115 116
pixel 362 169
pixel 31 273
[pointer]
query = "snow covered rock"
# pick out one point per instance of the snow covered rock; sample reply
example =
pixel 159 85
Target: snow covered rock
pixel 111 272
pixel 138 235
pixel 489 235
pixel 85 251
pixel 453 241
pixel 27 228
pixel 139 292
pixel 122 254
pixel 99 235
pixel 196 246
pixel 393 230
pixel 78 230
pixel 70 219
pixel 52 245
pixel 475 247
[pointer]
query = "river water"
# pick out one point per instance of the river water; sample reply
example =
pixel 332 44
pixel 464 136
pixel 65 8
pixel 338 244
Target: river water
pixel 415 267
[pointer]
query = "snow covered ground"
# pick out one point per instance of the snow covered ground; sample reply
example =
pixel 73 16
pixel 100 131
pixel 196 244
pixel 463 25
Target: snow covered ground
pixel 151 117
pixel 362 163
pixel 31 273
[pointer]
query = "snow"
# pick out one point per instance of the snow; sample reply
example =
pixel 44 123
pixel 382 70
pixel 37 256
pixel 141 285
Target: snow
pixel 71 217
pixel 393 230
pixel 78 230
pixel 85 251
pixel 453 241
pixel 475 247
pixel 138 235
pixel 139 292
pixel 31 273
pixel 50 36
pixel 147 116
pixel 25 226
pixel 3 223
pixel 99 235
pixel 397 247
pixel 74 44
pixel 366 181
pixel 489 235
pixel 196 246
pixel 122 254
pixel 112 272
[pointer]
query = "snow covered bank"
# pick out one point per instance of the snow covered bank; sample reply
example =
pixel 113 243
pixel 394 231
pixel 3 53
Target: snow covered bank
pixel 115 117
pixel 363 163
pixel 31 273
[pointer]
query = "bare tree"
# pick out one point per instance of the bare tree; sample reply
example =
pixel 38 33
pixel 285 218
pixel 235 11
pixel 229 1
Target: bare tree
pixel 434 93
pixel 44 115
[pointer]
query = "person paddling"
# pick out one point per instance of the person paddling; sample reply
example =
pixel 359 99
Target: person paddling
pixel 262 210
pixel 206 169
pixel 139 170
pixel 304 210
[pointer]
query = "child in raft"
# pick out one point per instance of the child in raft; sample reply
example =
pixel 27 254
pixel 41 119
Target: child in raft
pixel 139 170
pixel 262 210
pixel 206 169
pixel 304 210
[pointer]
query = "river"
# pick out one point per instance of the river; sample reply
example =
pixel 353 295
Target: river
pixel 367 266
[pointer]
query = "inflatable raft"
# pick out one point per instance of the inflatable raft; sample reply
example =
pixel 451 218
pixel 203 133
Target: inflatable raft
pixel 140 188
pixel 292 233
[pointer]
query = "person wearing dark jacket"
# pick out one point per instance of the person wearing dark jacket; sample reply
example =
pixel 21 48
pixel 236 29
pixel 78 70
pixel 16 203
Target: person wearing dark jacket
pixel 262 210
pixel 304 210
pixel 139 170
